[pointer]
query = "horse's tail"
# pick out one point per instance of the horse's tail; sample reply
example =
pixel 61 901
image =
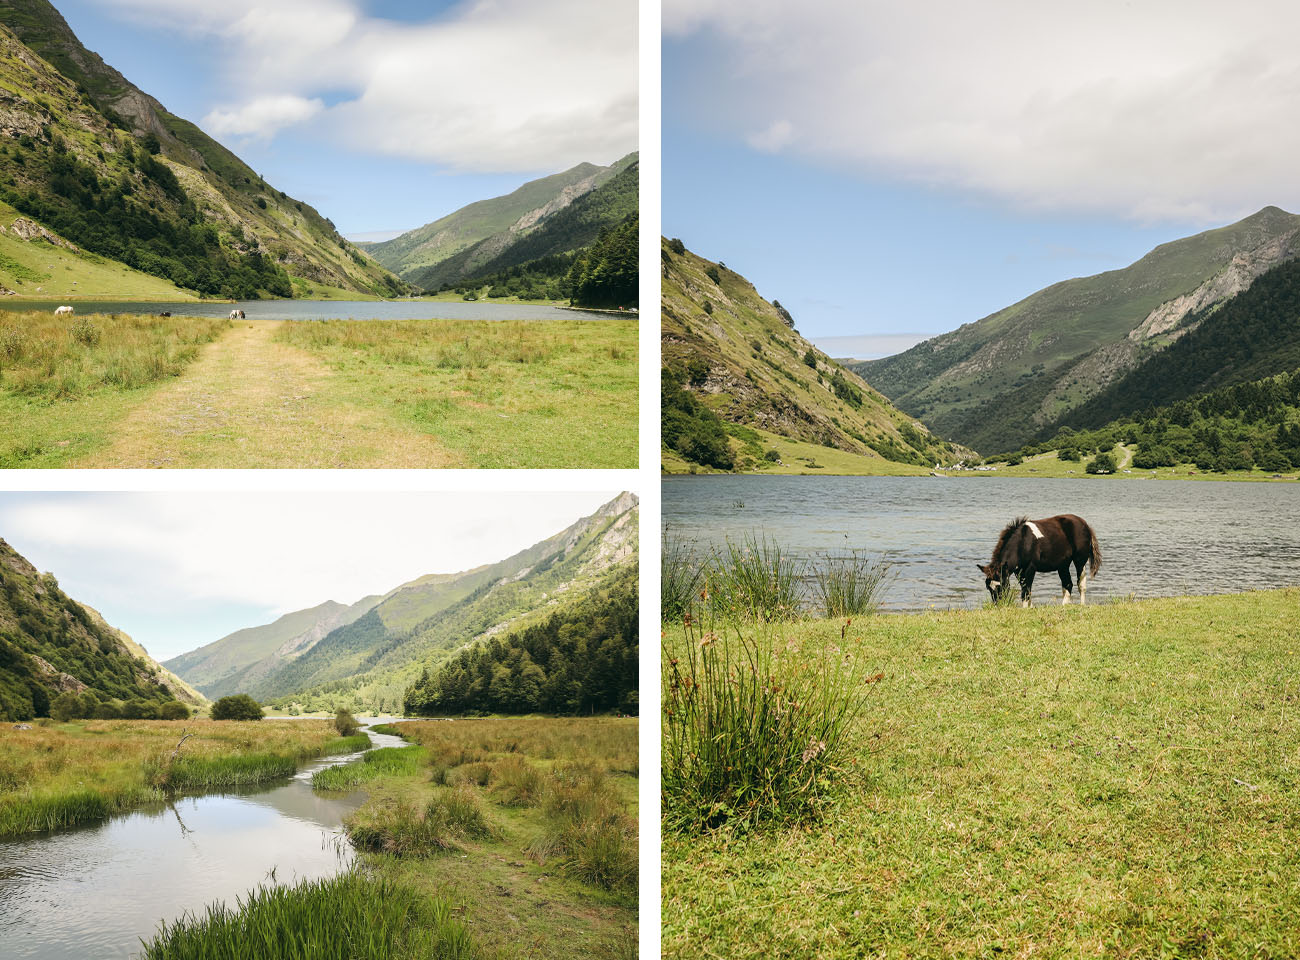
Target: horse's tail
pixel 1095 548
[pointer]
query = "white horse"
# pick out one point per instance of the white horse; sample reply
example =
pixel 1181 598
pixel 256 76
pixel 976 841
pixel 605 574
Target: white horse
pixel 237 315
pixel 64 311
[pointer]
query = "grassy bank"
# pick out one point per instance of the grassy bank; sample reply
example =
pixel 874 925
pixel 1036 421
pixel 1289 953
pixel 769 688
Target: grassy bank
pixel 1117 780
pixel 64 382
pixel 527 826
pixel 798 458
pixel 494 394
pixel 64 774
pixel 1052 466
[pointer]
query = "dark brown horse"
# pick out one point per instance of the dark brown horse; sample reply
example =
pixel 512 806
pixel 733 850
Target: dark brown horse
pixel 1027 547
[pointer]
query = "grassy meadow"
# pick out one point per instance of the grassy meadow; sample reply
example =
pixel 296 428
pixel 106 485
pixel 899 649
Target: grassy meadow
pixel 65 383
pixel 1050 465
pixel 1118 780
pixel 798 458
pixel 58 775
pixel 494 394
pixel 526 826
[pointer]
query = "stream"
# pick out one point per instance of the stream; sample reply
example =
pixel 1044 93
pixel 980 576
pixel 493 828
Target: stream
pixel 97 891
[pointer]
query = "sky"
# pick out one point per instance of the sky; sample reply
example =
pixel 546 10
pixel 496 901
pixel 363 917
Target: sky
pixel 385 114
pixel 891 171
pixel 178 570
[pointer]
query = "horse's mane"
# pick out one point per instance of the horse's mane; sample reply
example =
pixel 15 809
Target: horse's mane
pixel 1006 533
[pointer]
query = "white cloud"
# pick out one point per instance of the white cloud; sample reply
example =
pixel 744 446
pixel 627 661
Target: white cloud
pixel 165 555
pixel 263 116
pixel 493 86
pixel 1161 109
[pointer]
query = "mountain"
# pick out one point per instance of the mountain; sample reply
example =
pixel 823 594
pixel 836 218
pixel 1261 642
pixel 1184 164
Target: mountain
pixel 543 218
pixel 579 660
pixel 50 644
pixel 233 663
pixel 368 662
pixel 995 383
pixel 106 167
pixel 739 380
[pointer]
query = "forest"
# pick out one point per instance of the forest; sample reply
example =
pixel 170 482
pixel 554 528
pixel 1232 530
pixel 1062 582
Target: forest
pixel 579 660
pixel 1245 426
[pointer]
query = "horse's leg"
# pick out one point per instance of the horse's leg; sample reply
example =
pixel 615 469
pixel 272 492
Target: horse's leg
pixel 1083 580
pixel 1065 584
pixel 1026 585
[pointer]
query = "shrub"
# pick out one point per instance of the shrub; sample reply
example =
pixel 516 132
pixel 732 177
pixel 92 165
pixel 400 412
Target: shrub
pixel 676 246
pixel 753 732
pixel 174 710
pixel 346 724
pixel 85 332
pixel 240 706
pixel 1102 463
pixel 772 456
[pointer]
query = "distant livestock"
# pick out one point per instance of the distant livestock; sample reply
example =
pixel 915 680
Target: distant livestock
pixel 63 311
pixel 165 313
pixel 237 315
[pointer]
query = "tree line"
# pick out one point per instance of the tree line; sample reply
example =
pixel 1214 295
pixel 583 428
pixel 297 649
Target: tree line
pixel 582 659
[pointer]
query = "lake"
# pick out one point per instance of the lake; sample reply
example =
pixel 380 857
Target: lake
pixel 327 309
pixel 1157 538
pixel 96 891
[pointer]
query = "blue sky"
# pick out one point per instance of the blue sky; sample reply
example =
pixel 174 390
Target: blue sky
pixel 881 172
pixel 176 571
pixel 384 114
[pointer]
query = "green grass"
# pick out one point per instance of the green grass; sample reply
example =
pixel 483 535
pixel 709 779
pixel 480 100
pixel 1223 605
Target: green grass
pixel 351 744
pixel 1049 465
pixel 65 384
pixel 1118 780
pixel 385 762
pixel 349 917
pixel 553 393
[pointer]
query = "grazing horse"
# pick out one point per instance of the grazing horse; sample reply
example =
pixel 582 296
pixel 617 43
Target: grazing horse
pixel 1027 547
pixel 237 315
pixel 165 313
pixel 64 311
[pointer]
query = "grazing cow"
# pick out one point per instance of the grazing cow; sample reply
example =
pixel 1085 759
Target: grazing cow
pixel 165 313
pixel 237 315
pixel 64 311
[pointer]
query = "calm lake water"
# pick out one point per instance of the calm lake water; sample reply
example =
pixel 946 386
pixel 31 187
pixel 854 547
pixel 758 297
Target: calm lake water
pixel 1157 538
pixel 327 309
pixel 97 891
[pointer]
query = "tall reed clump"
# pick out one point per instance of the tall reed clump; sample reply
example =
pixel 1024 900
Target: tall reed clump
pixel 588 828
pixel 680 574
pixel 353 744
pixel 848 584
pixel 352 916
pixel 205 772
pixel 754 726
pixel 756 579
pixel 402 829
pixel 386 762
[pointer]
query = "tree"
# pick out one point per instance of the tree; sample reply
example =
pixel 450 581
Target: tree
pixel 66 706
pixel 346 724
pixel 174 710
pixel 239 706
pixel 1102 463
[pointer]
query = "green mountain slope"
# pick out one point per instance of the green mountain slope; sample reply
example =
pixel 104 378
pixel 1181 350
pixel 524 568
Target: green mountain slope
pixel 569 228
pixel 738 377
pixel 50 644
pixel 106 166
pixel 228 665
pixel 369 662
pixel 504 217
pixel 994 383
pixel 579 660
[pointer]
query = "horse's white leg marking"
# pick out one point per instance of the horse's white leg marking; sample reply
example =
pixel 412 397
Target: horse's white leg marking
pixel 1083 586
pixel 1065 596
pixel 1025 602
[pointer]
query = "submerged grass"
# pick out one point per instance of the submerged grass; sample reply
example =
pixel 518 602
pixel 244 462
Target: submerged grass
pixel 1118 780
pixel 349 917
pixel 62 775
pixel 516 393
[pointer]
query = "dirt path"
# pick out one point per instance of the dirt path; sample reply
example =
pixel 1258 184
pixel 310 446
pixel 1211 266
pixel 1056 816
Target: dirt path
pixel 1127 458
pixel 249 401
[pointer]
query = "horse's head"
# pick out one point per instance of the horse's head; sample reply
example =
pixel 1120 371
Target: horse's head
pixel 995 580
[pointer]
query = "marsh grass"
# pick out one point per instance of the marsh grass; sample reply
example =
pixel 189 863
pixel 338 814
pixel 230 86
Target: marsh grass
pixel 587 827
pixel 349 744
pixel 60 775
pixel 514 393
pixel 755 721
pixel 384 762
pixel 680 575
pixel 516 782
pixel 51 358
pixel 349 917
pixel 403 829
pixel 755 579
pixel 848 584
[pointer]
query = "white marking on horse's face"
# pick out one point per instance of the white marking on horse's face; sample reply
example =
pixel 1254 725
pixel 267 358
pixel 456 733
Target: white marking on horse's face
pixel 995 584
pixel 1038 534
